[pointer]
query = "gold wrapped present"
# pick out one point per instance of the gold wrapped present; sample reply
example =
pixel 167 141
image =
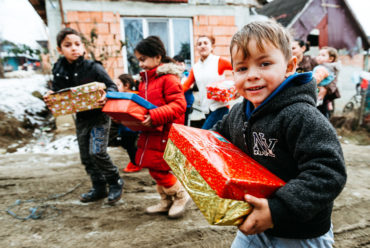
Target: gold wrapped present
pixel 76 99
pixel 216 210
pixel 217 174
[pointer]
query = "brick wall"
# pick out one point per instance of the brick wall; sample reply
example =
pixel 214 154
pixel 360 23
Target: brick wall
pixel 220 27
pixel 107 26
pixel 106 46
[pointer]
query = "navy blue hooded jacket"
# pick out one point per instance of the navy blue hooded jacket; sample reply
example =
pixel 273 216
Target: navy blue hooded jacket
pixel 292 139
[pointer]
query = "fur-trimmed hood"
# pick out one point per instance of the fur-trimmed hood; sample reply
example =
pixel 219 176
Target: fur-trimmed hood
pixel 170 68
pixel 163 69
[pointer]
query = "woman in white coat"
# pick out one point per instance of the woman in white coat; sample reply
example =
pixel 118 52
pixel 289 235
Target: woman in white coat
pixel 209 69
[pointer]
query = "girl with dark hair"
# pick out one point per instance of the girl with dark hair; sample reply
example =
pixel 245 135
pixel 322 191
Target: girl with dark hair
pixel 160 85
pixel 305 62
pixel 126 137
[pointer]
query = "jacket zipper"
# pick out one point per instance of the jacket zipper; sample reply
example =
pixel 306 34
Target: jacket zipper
pixel 146 86
pixel 142 155
pixel 246 128
pixel 146 98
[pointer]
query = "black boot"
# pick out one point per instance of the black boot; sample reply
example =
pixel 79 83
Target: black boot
pixel 115 189
pixel 97 192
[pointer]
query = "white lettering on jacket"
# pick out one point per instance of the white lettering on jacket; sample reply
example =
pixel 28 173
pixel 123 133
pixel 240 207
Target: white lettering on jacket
pixel 261 148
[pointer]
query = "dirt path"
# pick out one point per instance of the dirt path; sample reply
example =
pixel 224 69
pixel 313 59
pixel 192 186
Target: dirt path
pixel 37 176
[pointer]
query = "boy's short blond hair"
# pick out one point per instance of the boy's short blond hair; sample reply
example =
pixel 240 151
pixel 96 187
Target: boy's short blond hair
pixel 263 32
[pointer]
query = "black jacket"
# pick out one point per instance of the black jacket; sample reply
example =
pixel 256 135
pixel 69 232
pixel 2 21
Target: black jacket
pixel 80 72
pixel 293 140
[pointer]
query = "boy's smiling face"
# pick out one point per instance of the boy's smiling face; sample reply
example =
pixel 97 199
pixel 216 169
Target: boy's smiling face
pixel 261 72
pixel 71 47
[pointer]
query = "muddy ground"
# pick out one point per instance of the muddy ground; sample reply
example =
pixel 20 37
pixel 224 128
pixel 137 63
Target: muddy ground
pixel 68 223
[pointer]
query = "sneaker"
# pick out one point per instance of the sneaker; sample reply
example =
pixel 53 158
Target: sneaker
pixel 131 168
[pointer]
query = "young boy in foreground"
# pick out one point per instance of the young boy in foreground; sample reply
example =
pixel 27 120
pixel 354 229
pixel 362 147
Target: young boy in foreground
pixel 278 125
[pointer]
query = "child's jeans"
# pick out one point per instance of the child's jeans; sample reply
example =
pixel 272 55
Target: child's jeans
pixel 214 116
pixel 263 240
pixel 92 137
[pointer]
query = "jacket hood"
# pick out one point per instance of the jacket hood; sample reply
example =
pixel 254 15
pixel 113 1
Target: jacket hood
pixel 335 67
pixel 169 68
pixel 163 69
pixel 297 88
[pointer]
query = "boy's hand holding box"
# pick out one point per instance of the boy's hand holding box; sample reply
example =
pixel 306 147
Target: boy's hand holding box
pixel 76 99
pixel 130 109
pixel 217 174
pixel 222 91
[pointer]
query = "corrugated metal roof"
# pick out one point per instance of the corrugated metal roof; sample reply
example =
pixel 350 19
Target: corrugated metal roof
pixel 304 15
pixel 283 11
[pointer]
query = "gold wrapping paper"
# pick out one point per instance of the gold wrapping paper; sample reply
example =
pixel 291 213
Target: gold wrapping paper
pixel 76 99
pixel 217 211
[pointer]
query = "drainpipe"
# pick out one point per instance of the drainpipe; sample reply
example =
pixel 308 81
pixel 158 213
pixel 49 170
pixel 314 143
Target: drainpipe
pixel 61 13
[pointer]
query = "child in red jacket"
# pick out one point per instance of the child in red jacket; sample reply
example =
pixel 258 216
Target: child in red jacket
pixel 160 85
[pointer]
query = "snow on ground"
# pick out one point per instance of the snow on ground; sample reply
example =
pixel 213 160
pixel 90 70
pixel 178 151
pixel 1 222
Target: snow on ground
pixel 17 99
pixel 67 144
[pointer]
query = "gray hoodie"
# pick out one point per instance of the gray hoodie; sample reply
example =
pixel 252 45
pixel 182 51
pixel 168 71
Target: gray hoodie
pixel 291 138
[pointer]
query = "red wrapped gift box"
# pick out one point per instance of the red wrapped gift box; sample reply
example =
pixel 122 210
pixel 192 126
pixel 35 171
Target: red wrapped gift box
pixel 130 109
pixel 226 169
pixel 222 91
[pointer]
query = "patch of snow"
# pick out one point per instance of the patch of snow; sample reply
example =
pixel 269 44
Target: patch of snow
pixel 17 99
pixel 36 236
pixel 357 194
pixel 91 234
pixel 67 144
pixel 19 74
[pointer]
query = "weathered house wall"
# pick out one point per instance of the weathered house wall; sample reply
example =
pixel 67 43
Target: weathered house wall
pixel 221 21
pixel 108 31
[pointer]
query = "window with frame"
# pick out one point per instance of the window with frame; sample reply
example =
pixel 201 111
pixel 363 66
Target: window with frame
pixel 175 33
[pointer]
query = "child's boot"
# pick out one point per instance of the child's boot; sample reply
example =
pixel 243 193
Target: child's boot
pixel 181 198
pixel 163 206
pixel 97 192
pixel 115 189
pixel 131 168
